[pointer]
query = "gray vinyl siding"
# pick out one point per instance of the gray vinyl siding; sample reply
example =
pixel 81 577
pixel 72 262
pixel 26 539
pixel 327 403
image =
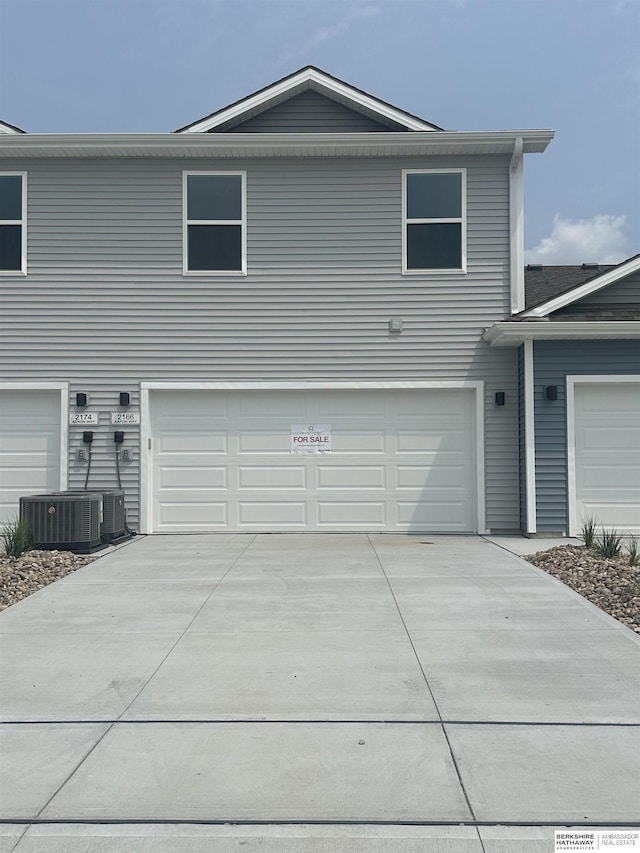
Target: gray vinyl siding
pixel 105 304
pixel 553 361
pixel 522 466
pixel 310 112
pixel 624 292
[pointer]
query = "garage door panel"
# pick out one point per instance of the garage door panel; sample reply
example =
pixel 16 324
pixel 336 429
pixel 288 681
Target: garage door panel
pixel 272 513
pixel 443 404
pixel 331 406
pixel 175 406
pixel 267 441
pixel 596 398
pixel 21 444
pixel 343 477
pixel 201 477
pixel 611 438
pixel 430 477
pixel 377 455
pixel 621 516
pixel 193 515
pixel 17 477
pixel 452 441
pixel 613 477
pixel 431 516
pixel 260 405
pixel 192 442
pixel 351 514
pixel 272 477
pixel 357 442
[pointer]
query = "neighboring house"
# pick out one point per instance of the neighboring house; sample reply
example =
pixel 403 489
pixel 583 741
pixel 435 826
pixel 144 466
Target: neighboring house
pixel 579 366
pixel 282 307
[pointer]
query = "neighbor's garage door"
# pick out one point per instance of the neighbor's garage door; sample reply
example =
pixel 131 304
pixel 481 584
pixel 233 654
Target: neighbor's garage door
pixel 29 446
pixel 607 454
pixel 399 460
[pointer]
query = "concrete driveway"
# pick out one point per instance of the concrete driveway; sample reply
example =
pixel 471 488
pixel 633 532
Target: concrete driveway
pixel 313 693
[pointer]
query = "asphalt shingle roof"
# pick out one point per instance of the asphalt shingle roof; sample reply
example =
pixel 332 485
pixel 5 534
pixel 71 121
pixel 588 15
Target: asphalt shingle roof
pixel 546 282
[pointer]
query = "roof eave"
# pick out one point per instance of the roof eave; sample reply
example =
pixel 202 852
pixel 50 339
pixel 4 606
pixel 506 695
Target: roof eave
pixel 509 333
pixel 271 144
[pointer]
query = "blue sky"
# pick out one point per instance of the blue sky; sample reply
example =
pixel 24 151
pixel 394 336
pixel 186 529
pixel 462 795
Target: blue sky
pixel 154 65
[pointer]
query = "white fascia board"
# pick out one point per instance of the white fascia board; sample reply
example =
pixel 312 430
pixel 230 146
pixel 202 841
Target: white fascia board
pixel 271 144
pixel 308 75
pixel 512 334
pixel 593 286
pixel 7 128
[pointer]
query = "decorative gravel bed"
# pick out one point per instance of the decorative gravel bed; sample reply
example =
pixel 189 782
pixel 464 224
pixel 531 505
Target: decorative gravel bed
pixel 613 585
pixel 22 576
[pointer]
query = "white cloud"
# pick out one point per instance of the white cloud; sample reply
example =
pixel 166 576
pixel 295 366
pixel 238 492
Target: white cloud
pixel 354 13
pixel 601 239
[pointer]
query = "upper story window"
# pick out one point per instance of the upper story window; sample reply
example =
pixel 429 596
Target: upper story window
pixel 13 222
pixel 434 221
pixel 215 222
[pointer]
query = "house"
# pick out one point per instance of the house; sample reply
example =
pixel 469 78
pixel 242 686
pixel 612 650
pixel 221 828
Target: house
pixel 290 314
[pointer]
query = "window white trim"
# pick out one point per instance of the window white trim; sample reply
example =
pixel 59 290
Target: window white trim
pixel 242 222
pixel 572 381
pixel 63 388
pixel 22 222
pixel 462 219
pixel 146 484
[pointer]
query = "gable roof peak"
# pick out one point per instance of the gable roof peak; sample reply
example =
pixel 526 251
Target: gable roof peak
pixel 310 77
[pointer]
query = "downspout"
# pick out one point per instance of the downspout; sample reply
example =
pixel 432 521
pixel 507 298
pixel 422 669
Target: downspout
pixel 516 226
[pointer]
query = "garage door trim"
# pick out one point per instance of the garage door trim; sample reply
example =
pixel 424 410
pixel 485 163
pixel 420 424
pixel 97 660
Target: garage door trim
pixel 63 388
pixel 146 499
pixel 572 381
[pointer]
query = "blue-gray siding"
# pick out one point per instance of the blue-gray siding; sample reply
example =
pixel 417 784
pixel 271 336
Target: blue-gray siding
pixel 309 112
pixel 105 304
pixel 553 361
pixel 626 292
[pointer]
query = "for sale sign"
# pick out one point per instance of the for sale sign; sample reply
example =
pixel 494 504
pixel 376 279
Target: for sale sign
pixel 310 438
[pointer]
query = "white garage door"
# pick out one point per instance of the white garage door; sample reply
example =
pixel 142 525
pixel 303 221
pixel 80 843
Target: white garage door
pixel 398 460
pixel 607 454
pixel 29 446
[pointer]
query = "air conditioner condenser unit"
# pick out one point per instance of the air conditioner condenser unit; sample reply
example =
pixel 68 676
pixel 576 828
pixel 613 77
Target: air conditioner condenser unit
pixel 66 521
pixel 113 528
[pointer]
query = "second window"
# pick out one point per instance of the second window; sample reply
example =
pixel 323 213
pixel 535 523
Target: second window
pixel 434 221
pixel 215 222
